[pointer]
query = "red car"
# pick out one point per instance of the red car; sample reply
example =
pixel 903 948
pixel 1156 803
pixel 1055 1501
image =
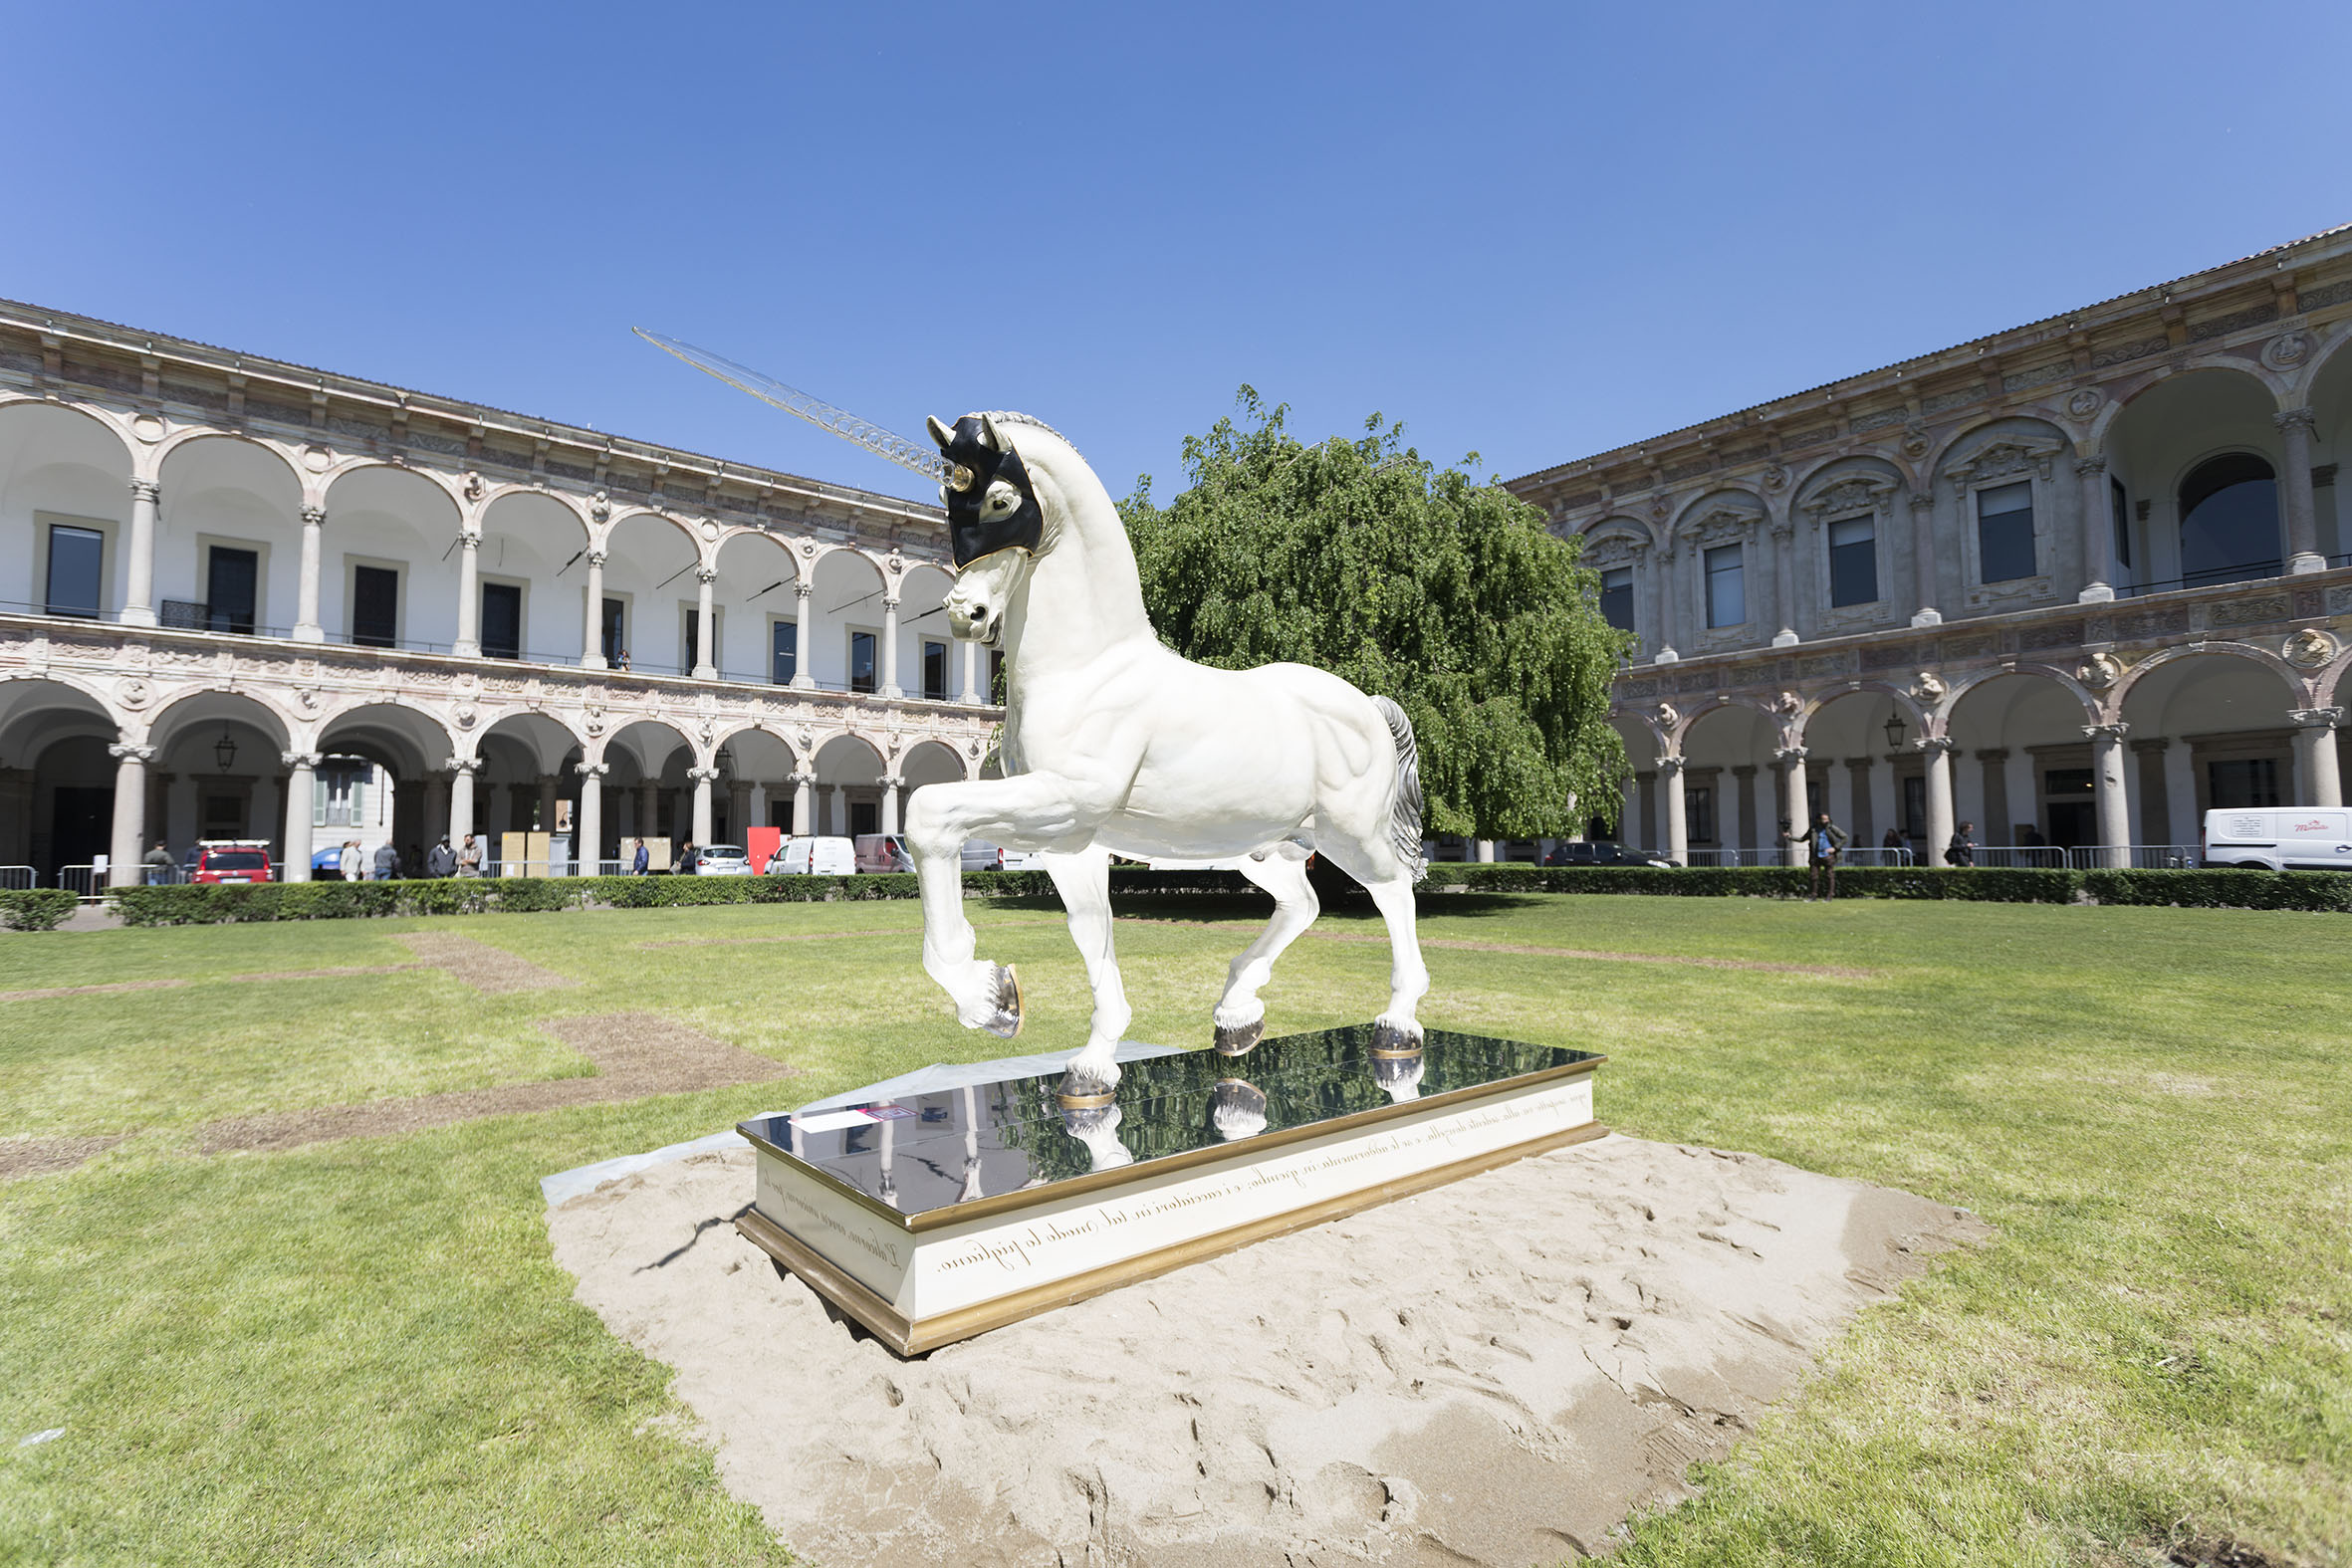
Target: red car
pixel 231 862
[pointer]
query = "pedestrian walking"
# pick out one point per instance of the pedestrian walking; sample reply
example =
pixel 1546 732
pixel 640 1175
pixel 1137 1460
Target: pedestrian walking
pixel 1828 840
pixel 156 864
pixel 684 864
pixel 641 862
pixel 469 858
pixel 387 862
pixel 350 865
pixel 1962 851
pixel 440 860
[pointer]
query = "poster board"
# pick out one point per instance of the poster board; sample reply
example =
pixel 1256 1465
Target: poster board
pixel 760 844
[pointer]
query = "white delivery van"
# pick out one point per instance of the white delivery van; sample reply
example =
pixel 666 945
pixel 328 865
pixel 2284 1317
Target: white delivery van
pixel 2280 837
pixel 814 858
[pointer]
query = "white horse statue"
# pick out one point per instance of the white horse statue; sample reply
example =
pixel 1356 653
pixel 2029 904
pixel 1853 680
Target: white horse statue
pixel 1116 744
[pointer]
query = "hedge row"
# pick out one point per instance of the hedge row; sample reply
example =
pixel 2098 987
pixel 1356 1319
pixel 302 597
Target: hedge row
pixel 35 907
pixel 42 908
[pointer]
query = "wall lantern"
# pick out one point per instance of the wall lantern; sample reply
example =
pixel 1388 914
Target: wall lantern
pixel 725 762
pixel 1894 732
pixel 225 750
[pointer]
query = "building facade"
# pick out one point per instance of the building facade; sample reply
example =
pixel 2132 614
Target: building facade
pixel 229 585
pixel 2075 583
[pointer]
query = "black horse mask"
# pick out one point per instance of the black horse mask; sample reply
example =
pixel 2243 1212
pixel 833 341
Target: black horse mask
pixel 977 457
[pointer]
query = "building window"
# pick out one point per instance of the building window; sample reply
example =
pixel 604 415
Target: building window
pixel 935 671
pixel 2004 532
pixel 1853 561
pixel 784 652
pixel 861 661
pixel 2229 520
pixel 1698 810
pixel 1727 599
pixel 2238 783
pixel 232 590
pixel 2120 505
pixel 1616 597
pixel 502 620
pixel 339 793
pixel 375 606
pixel 612 629
pixel 77 560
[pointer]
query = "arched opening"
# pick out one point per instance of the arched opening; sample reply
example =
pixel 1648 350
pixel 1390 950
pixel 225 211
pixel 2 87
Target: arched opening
pixel 65 505
pixel 1636 819
pixel 388 569
pixel 2229 508
pixel 752 802
pixel 2209 732
pixel 2171 429
pixel 648 799
pixel 57 788
pixel 756 609
pixel 530 580
pixel 525 795
pixel 1731 787
pixel 219 772
pixel 849 787
pixel 378 781
pixel 930 660
pixel 228 542
pixel 843 643
pixel 2022 769
pixel 1862 769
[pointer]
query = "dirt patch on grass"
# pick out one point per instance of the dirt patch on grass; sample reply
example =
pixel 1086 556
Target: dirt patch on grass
pixel 487 968
pixel 813 936
pixel 44 993
pixel 2223 1553
pixel 637 1054
pixel 47 1156
pixel 331 973
pixel 1596 955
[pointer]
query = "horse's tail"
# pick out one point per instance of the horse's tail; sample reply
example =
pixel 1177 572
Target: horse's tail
pixel 1404 811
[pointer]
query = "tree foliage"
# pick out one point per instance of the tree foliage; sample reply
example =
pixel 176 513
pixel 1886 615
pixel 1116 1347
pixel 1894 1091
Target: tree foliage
pixel 1411 582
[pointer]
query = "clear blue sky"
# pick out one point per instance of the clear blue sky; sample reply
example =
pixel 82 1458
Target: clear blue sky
pixel 1532 231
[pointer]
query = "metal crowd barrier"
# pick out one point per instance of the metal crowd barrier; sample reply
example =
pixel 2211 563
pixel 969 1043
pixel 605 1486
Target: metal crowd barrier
pixel 15 878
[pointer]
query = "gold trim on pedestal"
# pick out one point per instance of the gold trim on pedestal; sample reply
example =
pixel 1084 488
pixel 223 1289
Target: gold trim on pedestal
pixel 913 1337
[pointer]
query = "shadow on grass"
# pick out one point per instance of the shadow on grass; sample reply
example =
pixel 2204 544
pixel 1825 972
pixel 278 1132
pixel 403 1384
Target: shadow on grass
pixel 1253 908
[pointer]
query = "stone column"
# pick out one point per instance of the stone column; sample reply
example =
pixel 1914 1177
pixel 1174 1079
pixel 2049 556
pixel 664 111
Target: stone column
pixel 1678 826
pixel 587 823
pixel 306 592
pixel 548 784
pixel 591 641
pixel 739 809
pixel 138 588
pixel 2294 489
pixel 2151 817
pixel 1622 832
pixel 461 799
pixel 1800 815
pixel 2096 527
pixel 1938 750
pixel 805 611
pixel 2318 778
pixel 130 815
pixel 1861 816
pixel 890 788
pixel 840 816
pixel 469 598
pixel 1482 850
pixel 891 687
pixel 1662 615
pixel 969 654
pixel 1784 582
pixel 1995 828
pixel 703 778
pixel 804 803
pixel 1749 837
pixel 2180 794
pixel 301 802
pixel 648 810
pixel 1923 559
pixel 2109 802
pixel 706 653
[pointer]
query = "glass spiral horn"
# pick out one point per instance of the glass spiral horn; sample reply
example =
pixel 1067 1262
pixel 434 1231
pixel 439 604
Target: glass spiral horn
pixel 921 456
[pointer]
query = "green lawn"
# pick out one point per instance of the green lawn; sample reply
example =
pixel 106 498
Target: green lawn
pixel 361 1350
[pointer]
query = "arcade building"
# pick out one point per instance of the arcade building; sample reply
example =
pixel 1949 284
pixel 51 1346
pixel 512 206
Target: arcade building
pixel 2075 583
pixel 247 599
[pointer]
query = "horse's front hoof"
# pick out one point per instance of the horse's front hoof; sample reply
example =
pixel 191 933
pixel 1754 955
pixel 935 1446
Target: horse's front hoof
pixel 1005 1020
pixel 1240 1041
pixel 1391 1037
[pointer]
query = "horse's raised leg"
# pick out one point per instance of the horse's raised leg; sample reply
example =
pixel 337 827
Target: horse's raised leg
pixel 939 818
pixel 1239 1016
pixel 1084 881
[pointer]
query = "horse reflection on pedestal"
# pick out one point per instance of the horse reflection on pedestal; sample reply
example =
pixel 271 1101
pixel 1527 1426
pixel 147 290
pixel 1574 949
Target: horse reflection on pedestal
pixel 1116 744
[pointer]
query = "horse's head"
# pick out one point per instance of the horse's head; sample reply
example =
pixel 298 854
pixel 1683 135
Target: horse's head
pixel 995 521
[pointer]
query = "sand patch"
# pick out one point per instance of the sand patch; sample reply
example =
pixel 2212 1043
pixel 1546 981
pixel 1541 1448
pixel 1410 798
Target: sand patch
pixel 637 1054
pixel 487 968
pixel 48 1155
pixel 1495 1372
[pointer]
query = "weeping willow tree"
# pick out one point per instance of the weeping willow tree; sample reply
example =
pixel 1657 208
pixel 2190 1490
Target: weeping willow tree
pixel 1412 582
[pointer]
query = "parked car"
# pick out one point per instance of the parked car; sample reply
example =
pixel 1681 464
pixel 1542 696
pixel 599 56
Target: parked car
pixel 2279 838
pixel 722 860
pixel 1603 853
pixel 326 864
pixel 231 860
pixel 877 852
pixel 814 856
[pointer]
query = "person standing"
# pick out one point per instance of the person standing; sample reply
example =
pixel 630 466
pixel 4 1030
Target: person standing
pixel 469 858
pixel 351 863
pixel 156 865
pixel 684 864
pixel 440 860
pixel 1962 851
pixel 387 862
pixel 1828 840
pixel 641 862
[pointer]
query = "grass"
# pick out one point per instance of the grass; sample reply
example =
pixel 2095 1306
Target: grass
pixel 360 1351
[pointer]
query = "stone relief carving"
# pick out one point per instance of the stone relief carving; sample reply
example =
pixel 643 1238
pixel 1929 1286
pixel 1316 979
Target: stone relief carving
pixel 2099 671
pixel 1915 441
pixel 1929 687
pixel 1719 526
pixel 1667 715
pixel 1854 493
pixel 2085 403
pixel 2001 459
pixel 2310 648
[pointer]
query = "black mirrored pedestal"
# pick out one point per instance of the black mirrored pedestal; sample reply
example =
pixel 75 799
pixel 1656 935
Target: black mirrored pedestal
pixel 933 1217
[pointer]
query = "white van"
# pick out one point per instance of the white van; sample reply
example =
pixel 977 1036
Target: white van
pixel 2281 838
pixel 813 857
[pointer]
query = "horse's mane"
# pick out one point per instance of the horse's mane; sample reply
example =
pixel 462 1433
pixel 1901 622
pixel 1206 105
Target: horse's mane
pixel 1008 416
